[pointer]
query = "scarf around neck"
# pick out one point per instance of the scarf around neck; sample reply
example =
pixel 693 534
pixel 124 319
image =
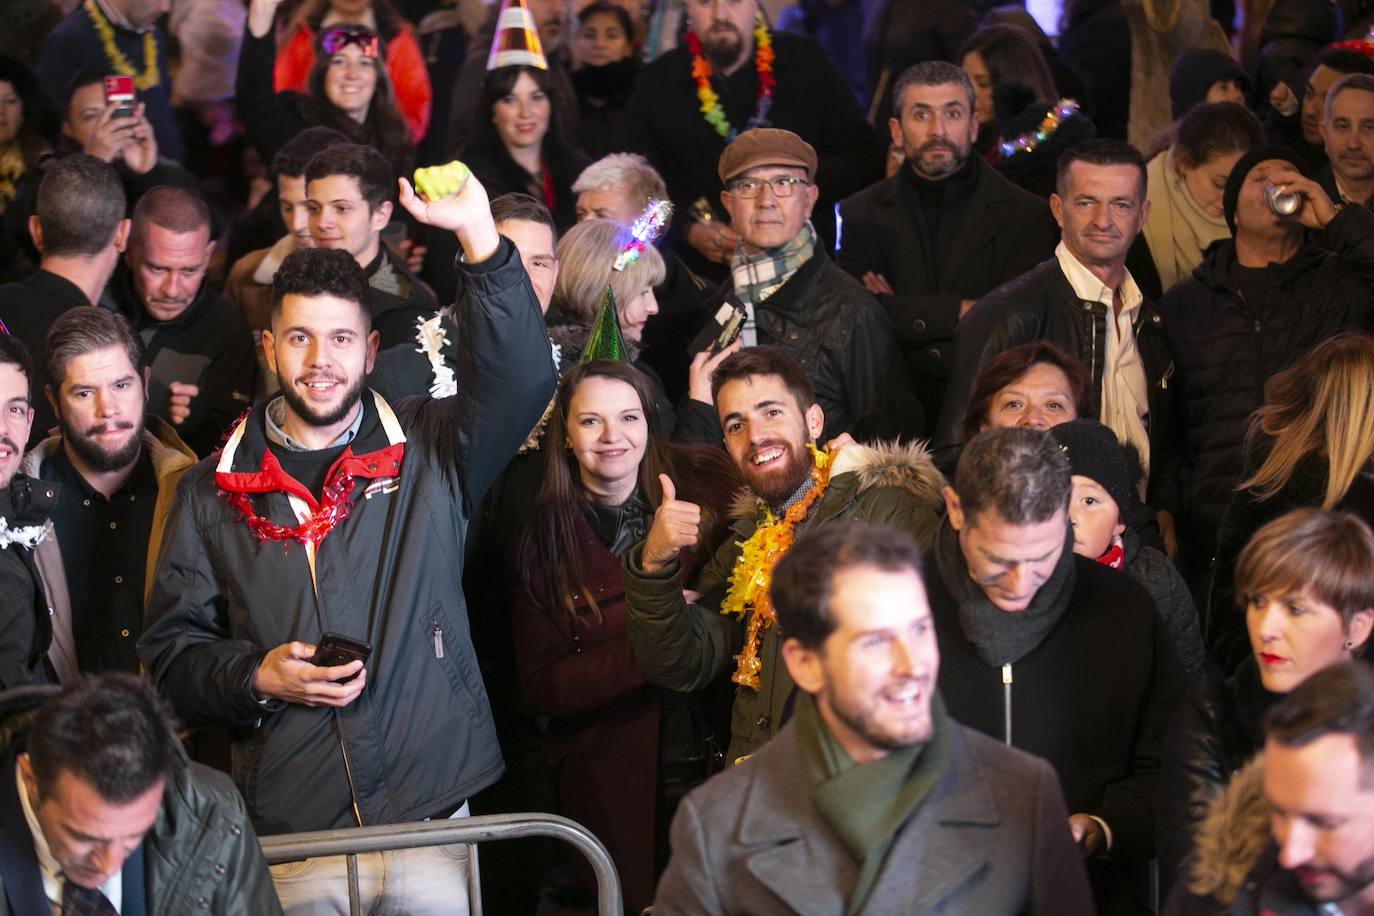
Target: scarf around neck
pixel 866 805
pixel 1001 637
pixel 758 276
pixel 1178 230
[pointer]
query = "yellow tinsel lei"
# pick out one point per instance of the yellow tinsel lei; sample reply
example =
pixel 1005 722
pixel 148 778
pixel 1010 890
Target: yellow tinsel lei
pixel 753 571
pixel 121 64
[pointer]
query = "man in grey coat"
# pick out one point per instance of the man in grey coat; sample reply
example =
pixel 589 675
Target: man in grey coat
pixel 871 800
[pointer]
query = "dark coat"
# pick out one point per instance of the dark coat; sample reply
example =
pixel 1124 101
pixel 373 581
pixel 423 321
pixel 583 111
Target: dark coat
pixel 25 607
pixel 1225 349
pixel 686 647
pixel 907 33
pixel 1003 233
pixel 201 853
pixel 812 100
pixel 1042 305
pixel 1215 731
pixel 1096 41
pixel 829 323
pixel 1152 569
pixel 990 838
pixel 207 345
pixel 1224 630
pixel 1094 699
pixel 388 575
pixel 27 310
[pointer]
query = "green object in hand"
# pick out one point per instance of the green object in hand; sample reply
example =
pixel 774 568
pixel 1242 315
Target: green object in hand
pixel 439 181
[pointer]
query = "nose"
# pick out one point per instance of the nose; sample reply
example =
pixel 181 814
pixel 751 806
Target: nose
pixel 1014 579
pixel 937 127
pixel 1295 846
pixel 1270 622
pixel 651 306
pixel 1034 418
pixel 903 658
pixel 171 285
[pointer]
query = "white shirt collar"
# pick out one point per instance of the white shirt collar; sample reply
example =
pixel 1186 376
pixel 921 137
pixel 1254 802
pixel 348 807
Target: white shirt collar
pixel 1087 286
pixel 49 867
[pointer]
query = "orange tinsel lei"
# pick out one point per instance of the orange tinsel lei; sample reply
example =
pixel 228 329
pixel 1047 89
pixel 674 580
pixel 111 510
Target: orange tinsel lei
pixel 753 571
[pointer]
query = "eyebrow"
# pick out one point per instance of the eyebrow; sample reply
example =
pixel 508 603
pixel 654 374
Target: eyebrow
pixel 755 409
pixel 122 378
pixel 20 400
pixel 311 331
pixel 999 559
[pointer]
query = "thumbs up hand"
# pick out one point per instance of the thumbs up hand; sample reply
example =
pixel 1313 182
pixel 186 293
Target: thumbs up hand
pixel 677 524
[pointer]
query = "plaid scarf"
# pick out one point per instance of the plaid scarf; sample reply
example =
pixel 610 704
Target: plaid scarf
pixel 758 276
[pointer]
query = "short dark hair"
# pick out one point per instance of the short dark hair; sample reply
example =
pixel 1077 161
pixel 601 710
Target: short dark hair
pixel 85 329
pixel 14 353
pixel 1018 473
pixel 321 272
pixel 297 152
pixel 1009 365
pixel 522 207
pixel 930 73
pixel 80 80
pixel 1099 151
pixel 80 205
pixel 175 209
pixel 361 163
pixel 804 578
pixel 765 361
pixel 1344 61
pixel 110 731
pixel 1338 699
pixel 1216 129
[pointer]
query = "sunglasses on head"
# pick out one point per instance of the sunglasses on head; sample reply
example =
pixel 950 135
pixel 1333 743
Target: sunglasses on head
pixel 335 40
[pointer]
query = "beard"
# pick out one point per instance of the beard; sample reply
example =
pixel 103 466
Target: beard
pixel 780 478
pixel 1334 886
pixel 865 722
pixel 352 395
pixel 929 167
pixel 97 456
pixel 722 45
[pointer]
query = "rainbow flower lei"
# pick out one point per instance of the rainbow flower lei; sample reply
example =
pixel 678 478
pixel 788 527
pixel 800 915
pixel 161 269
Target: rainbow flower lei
pixel 1060 112
pixel 753 571
pixel 121 65
pixel 710 102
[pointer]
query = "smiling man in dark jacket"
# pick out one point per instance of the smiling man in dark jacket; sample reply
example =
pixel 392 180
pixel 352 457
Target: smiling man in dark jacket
pixel 943 231
pixel 1257 304
pixel 1053 653
pixel 379 499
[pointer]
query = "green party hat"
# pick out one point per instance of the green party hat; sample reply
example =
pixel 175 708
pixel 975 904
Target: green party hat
pixel 606 341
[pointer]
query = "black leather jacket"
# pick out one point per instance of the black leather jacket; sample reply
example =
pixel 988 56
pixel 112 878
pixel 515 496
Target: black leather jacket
pixel 1215 731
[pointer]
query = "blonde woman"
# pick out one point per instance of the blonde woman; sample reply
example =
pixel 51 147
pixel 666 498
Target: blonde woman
pixel 586 254
pixel 1309 445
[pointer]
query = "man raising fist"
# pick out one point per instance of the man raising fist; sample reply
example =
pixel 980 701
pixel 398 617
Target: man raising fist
pixel 768 412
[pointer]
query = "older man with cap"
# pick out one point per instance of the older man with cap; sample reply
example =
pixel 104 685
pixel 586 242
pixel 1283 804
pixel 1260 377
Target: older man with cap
pixel 790 294
pixel 1257 303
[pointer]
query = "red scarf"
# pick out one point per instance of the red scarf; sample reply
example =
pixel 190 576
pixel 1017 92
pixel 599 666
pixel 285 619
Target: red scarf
pixel 1115 557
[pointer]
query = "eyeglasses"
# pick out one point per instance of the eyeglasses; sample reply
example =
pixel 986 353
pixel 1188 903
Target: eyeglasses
pixel 782 186
pixel 335 40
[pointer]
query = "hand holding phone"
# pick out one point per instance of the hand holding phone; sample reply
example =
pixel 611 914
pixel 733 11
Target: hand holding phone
pixel 119 91
pixel 335 650
pixel 287 673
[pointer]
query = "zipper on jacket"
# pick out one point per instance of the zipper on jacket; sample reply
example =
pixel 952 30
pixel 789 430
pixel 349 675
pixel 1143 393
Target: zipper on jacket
pixel 1006 703
pixel 348 774
pixel 439 641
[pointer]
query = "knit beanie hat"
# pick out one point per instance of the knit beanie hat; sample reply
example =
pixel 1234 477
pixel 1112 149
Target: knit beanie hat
pixel 1094 452
pixel 1195 71
pixel 1247 162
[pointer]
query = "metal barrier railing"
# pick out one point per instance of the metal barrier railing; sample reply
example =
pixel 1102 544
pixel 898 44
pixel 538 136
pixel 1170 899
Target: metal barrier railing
pixel 353 841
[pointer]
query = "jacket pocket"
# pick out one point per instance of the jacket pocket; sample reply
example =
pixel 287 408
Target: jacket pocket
pixel 443 650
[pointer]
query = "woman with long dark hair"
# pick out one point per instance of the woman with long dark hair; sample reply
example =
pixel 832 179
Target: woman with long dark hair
pixel 27 125
pixel 517 143
pixel 405 64
pixel 616 741
pixel 348 90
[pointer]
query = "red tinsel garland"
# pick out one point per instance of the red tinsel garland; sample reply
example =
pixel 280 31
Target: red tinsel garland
pixel 334 508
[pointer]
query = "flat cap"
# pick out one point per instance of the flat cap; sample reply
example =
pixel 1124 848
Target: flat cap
pixel 766 146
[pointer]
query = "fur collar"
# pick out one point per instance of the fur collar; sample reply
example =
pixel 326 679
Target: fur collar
pixel 1232 837
pixel 907 466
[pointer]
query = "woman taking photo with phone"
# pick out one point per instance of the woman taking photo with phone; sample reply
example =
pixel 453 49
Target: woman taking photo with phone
pixel 348 90
pixel 624 751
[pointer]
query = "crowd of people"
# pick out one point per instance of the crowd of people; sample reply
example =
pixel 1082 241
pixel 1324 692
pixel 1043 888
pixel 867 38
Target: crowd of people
pixel 855 456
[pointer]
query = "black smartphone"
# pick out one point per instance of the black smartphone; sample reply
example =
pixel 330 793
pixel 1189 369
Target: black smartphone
pixel 721 331
pixel 334 650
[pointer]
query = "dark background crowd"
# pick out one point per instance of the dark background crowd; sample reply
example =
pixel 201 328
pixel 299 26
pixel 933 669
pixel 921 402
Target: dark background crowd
pixel 1140 234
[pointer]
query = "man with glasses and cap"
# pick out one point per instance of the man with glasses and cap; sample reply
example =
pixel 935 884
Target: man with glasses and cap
pixel 792 296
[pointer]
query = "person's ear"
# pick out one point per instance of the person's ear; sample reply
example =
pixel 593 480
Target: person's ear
pixel 953 509
pixel 381 216
pixel 121 237
pixel 804 665
pixel 269 351
pixel 36 232
pixel 894 126
pixel 813 194
pixel 1144 212
pixel 374 340
pixel 52 400
pixel 1057 208
pixel 815 421
pixel 147 379
pixel 1357 631
pixel 725 201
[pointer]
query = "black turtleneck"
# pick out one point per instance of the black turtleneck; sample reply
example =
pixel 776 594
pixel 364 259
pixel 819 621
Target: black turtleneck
pixel 938 210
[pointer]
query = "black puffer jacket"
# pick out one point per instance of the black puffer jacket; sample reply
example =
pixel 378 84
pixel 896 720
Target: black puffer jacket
pixel 1042 305
pixel 419 739
pixel 1214 732
pixel 1225 349
pixel 25 610
pixel 845 341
